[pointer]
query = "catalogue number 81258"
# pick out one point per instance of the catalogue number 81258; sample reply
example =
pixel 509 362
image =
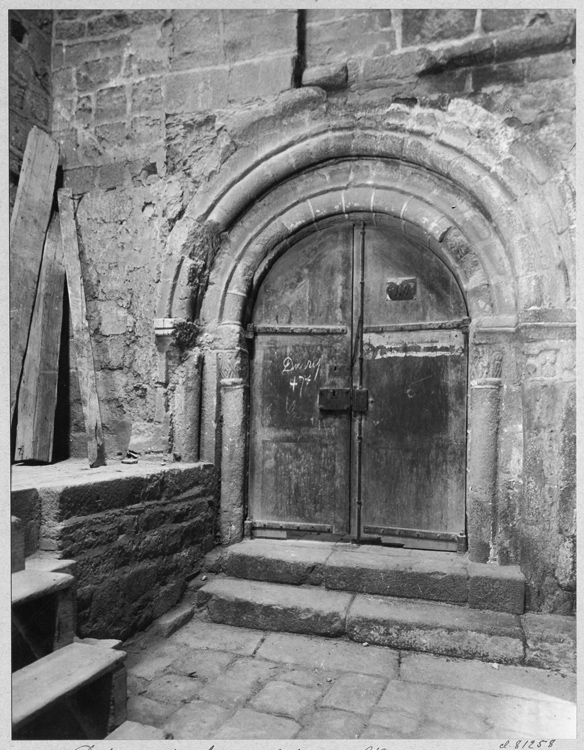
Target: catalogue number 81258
pixel 520 744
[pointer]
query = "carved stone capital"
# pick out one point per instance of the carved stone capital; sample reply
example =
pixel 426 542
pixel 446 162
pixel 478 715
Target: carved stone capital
pixel 233 366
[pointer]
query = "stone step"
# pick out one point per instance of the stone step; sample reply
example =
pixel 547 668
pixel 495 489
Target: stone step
pixel 43 614
pixel 77 692
pixel 421 626
pixel 385 571
pixel 272 606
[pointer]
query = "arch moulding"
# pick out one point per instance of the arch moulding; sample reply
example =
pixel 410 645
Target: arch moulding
pixel 441 191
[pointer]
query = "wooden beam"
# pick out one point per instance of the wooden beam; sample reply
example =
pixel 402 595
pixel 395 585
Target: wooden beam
pixel 81 336
pixel 28 225
pixel 37 397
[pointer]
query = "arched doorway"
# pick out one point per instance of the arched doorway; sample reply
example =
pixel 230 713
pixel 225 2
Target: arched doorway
pixel 358 385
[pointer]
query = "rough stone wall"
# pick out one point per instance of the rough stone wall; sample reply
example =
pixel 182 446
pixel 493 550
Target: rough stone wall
pixel 29 82
pixel 136 539
pixel 150 106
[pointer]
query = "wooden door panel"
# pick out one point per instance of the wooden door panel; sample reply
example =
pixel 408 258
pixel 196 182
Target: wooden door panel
pixel 299 464
pixel 393 257
pixel 414 434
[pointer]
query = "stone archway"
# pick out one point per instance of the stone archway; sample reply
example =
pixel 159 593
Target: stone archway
pixel 501 227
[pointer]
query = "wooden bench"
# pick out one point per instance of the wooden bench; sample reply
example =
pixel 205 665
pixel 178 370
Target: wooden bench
pixel 77 692
pixel 43 614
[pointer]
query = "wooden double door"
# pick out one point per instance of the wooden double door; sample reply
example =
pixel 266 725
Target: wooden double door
pixel 358 392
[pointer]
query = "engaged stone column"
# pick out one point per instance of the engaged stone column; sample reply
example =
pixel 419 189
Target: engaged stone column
pixel 234 386
pixel 482 465
pixel 187 407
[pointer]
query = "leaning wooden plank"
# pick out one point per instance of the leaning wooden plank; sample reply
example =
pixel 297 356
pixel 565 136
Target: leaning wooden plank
pixel 28 225
pixel 81 337
pixel 37 397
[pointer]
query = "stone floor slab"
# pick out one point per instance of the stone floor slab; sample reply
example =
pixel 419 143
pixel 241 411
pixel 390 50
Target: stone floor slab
pixel 133 730
pixel 314 678
pixel 239 682
pixel 152 661
pixel 437 628
pixel 551 641
pixel 196 721
pixel 341 656
pixel 270 606
pixel 206 635
pixel 377 732
pixel 355 692
pixel 202 665
pixel 330 724
pixel 147 711
pixel 174 689
pixel 521 682
pixel 248 724
pixel 285 699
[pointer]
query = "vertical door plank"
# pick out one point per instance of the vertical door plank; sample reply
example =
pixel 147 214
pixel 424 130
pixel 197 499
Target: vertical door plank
pixel 37 397
pixel 28 225
pixel 81 337
pixel 299 452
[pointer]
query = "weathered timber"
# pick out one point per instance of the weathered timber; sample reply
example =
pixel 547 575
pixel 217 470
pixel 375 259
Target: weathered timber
pixel 39 686
pixel 81 336
pixel 37 397
pixel 28 225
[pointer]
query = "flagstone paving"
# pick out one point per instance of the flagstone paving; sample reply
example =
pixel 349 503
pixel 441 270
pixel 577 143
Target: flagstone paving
pixel 210 681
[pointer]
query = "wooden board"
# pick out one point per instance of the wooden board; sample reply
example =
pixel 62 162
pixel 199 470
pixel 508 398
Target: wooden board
pixel 37 397
pixel 28 226
pixel 81 336
pixel 38 686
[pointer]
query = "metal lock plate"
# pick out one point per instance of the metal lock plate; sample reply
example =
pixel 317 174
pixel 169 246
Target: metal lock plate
pixel 360 399
pixel 334 399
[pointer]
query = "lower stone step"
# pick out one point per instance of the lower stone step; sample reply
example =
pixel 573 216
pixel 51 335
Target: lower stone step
pixel 272 606
pixel 421 626
pixel 78 692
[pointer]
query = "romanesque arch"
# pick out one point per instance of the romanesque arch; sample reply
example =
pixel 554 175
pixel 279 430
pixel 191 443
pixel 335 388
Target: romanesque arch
pixel 457 182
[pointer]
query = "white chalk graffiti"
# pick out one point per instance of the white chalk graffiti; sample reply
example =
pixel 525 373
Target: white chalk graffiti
pixel 303 372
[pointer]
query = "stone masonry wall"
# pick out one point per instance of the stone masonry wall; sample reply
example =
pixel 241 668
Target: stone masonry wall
pixel 136 537
pixel 29 82
pixel 151 105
